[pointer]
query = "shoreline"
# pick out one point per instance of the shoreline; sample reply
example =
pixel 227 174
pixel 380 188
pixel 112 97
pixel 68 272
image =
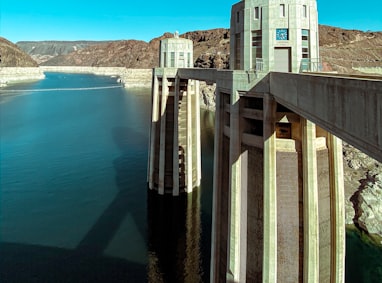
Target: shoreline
pixel 13 75
pixel 367 238
pixel 130 78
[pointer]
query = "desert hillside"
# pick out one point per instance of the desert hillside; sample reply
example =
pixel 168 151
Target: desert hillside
pixel 42 51
pixel 13 56
pixel 340 49
pixel 209 45
pixel 344 49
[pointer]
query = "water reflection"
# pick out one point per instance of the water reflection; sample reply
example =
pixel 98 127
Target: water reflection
pixel 174 238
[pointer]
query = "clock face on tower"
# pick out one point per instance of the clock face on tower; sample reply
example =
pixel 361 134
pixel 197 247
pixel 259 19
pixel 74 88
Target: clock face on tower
pixel 282 34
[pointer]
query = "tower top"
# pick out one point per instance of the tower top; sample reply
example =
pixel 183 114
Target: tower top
pixel 274 35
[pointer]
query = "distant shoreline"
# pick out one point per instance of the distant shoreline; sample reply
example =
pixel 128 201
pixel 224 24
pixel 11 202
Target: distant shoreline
pixel 11 75
pixel 131 78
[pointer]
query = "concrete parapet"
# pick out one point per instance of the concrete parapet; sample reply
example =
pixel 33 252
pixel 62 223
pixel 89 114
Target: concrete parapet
pixel 350 108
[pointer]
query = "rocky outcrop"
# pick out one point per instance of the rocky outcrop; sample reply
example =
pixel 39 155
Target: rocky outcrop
pixel 345 51
pixel 367 203
pixel 216 61
pixel 363 190
pixel 42 51
pixel 211 50
pixel 16 65
pixel 12 56
pixel 125 53
pixel 207 96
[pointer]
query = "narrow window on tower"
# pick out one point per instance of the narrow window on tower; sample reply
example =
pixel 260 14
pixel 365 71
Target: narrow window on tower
pixel 305 43
pixel 282 10
pixel 237 17
pixel 237 51
pixel 189 60
pixel 257 50
pixel 304 11
pixel 257 13
pixel 172 58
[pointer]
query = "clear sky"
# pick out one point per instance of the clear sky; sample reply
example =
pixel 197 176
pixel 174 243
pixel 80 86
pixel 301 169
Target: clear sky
pixel 144 20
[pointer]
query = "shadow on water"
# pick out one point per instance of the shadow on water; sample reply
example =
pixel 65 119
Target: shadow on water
pixel 174 233
pixel 127 200
pixel 89 262
pixel 30 263
pixel 179 228
pixel 174 238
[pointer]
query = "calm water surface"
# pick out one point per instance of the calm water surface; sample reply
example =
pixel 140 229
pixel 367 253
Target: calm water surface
pixel 74 199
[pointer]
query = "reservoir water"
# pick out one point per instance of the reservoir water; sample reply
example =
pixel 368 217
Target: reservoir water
pixel 74 200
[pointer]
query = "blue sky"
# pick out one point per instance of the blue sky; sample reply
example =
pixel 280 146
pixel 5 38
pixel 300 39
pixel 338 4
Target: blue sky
pixel 144 20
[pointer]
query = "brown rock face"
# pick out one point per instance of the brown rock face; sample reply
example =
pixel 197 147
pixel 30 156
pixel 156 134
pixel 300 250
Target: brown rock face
pixel 211 50
pixel 341 49
pixel 12 56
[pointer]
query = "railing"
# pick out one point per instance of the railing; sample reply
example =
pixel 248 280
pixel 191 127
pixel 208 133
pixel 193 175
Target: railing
pixel 310 65
pixel 259 65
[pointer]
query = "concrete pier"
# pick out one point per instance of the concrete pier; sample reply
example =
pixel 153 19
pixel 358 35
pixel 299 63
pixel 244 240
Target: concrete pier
pixel 174 154
pixel 278 192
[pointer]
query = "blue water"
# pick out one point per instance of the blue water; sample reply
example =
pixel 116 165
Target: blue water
pixel 74 199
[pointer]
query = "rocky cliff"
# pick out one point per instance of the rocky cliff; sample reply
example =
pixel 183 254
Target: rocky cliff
pixel 341 50
pixel 12 56
pixel 16 65
pixel 42 51
pixel 124 53
pixel 211 50
pixel 367 204
pixel 346 50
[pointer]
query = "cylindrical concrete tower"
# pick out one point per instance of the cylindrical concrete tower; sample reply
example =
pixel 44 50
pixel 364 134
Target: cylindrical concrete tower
pixel 174 154
pixel 278 188
pixel 277 35
pixel 176 52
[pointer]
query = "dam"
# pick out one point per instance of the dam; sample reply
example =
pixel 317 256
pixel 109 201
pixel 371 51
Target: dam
pixel 278 204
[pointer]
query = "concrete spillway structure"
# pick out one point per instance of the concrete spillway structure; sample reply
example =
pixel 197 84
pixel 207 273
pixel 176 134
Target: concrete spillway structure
pixel 174 154
pixel 278 184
